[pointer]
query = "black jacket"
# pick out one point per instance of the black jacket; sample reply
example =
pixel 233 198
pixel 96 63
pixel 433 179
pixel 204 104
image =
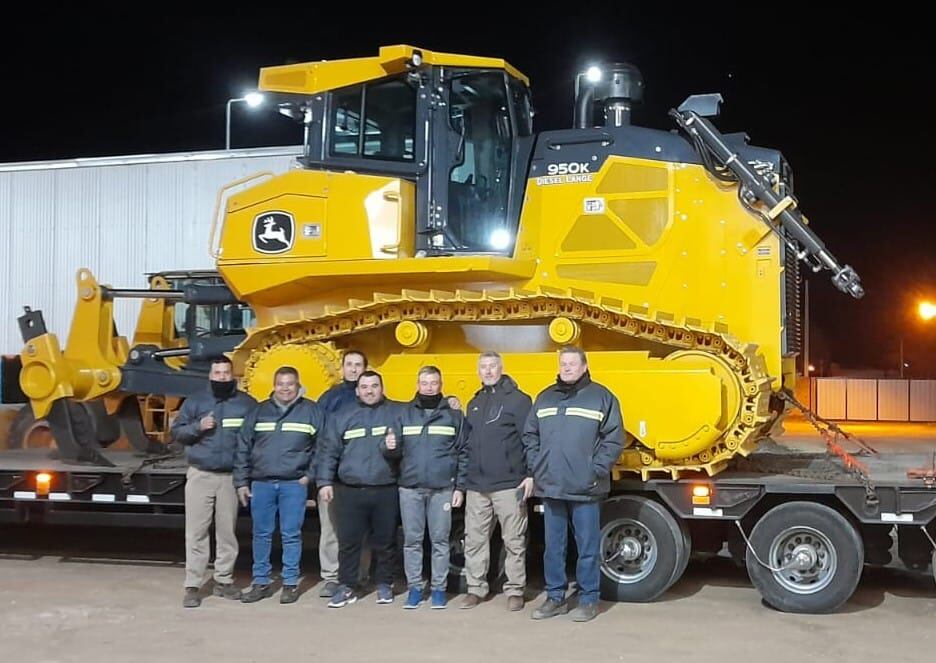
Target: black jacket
pixel 494 437
pixel 353 451
pixel 277 444
pixel 430 446
pixel 572 438
pixel 211 450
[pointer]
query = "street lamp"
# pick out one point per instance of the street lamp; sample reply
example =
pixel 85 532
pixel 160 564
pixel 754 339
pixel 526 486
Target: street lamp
pixel 927 311
pixel 252 99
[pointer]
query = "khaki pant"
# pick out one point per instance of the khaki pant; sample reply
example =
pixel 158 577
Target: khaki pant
pixel 480 511
pixel 328 542
pixel 209 497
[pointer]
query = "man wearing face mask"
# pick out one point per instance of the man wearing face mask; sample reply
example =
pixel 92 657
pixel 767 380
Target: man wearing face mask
pixel 207 426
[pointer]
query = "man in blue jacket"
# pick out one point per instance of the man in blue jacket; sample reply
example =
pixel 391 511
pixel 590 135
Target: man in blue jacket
pixel 572 438
pixel 353 363
pixel 275 465
pixel 207 426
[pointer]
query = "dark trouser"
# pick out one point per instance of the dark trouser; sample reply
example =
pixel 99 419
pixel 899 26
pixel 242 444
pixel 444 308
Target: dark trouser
pixel 585 518
pixel 369 511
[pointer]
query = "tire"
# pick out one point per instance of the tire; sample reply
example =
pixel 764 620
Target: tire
pixel 26 432
pixel 643 549
pixel 829 549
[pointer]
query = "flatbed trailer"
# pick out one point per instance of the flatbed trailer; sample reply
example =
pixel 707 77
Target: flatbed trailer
pixel 803 526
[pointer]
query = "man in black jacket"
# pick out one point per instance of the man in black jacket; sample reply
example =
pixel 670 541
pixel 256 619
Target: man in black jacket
pixel 207 426
pixel 353 363
pixel 497 481
pixel 274 467
pixel 356 472
pixel 427 438
pixel 573 436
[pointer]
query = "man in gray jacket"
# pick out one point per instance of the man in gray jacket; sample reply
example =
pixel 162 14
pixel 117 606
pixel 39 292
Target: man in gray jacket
pixel 573 436
pixel 207 426
pixel 275 465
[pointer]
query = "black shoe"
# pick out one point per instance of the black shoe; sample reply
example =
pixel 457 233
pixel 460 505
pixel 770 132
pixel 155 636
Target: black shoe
pixel 328 590
pixel 227 591
pixel 257 593
pixel 192 599
pixel 290 594
pixel 549 609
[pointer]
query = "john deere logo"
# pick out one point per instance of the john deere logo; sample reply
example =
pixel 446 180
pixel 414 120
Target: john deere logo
pixel 273 232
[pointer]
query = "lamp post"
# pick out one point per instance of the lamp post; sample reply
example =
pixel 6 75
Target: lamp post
pixel 252 99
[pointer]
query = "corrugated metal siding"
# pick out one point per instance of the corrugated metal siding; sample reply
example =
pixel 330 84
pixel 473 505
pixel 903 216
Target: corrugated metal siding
pixel 923 400
pixel 861 400
pixel 830 398
pixel 893 400
pixel 120 220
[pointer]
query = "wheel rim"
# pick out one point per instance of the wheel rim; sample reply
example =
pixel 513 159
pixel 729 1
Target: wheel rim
pixel 628 551
pixel 806 560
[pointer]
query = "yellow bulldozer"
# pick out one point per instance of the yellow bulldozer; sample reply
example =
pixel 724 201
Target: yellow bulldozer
pixel 428 222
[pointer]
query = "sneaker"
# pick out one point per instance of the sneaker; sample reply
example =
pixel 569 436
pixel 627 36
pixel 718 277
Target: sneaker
pixel 585 612
pixel 413 599
pixel 290 594
pixel 343 596
pixel 549 609
pixel 328 590
pixel 439 601
pixel 471 601
pixel 256 593
pixel 514 603
pixel 227 591
pixel 192 599
pixel 384 594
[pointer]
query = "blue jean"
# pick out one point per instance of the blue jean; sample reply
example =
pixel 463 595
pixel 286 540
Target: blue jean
pixel 288 498
pixel 586 526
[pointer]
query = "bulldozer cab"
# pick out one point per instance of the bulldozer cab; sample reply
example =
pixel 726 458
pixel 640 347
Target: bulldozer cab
pixel 461 134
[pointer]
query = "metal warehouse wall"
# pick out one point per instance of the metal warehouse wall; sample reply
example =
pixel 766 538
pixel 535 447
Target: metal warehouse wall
pixel 121 217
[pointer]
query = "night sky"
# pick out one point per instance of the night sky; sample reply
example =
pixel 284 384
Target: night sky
pixel 847 100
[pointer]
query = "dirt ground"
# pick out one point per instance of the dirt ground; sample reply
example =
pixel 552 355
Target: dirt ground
pixel 96 594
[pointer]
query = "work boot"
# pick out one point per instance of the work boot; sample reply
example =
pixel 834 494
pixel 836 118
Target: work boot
pixel 257 593
pixel 328 590
pixel 471 601
pixel 585 612
pixel 549 609
pixel 192 599
pixel 227 591
pixel 514 603
pixel 290 594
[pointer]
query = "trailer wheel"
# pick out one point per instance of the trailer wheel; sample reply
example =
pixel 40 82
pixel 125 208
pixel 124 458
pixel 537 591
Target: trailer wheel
pixel 815 554
pixel 644 550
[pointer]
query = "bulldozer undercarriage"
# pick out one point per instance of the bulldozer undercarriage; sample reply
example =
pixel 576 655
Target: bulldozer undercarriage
pixel 741 370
